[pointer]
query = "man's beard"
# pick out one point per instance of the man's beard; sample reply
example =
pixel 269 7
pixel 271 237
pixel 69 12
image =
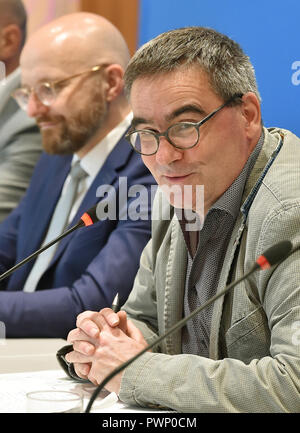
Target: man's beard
pixel 69 135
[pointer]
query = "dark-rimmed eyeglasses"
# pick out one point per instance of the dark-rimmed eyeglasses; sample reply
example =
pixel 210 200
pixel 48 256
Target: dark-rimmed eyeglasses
pixel 47 91
pixel 182 135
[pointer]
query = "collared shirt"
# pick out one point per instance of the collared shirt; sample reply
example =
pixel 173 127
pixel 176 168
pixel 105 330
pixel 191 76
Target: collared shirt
pixel 93 161
pixel 203 268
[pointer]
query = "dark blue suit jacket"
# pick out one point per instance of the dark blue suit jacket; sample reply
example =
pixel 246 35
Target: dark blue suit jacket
pixel 90 265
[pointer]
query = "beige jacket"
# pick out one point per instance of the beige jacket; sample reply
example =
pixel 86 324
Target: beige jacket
pixel 254 363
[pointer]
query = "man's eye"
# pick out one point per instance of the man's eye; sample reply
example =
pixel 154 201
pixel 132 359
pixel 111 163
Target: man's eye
pixel 182 128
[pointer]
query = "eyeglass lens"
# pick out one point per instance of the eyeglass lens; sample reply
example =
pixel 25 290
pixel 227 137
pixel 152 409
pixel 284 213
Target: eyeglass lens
pixel 183 135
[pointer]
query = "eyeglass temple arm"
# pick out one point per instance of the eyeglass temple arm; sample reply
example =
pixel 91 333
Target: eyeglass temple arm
pixel 238 95
pixel 93 69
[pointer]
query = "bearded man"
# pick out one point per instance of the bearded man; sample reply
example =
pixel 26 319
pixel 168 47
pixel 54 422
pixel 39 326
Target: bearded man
pixel 72 84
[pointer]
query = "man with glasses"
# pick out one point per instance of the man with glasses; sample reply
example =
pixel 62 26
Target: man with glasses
pixel 197 122
pixel 72 84
pixel 20 140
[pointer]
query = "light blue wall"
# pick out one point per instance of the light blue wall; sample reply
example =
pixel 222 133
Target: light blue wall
pixel 267 30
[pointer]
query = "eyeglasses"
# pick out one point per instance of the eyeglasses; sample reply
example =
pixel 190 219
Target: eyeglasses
pixel 47 91
pixel 182 135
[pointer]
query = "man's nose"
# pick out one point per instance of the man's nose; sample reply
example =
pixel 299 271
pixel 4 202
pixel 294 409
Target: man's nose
pixel 35 107
pixel 167 153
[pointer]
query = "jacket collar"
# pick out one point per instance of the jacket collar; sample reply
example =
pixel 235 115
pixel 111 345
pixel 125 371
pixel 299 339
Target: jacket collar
pixel 271 147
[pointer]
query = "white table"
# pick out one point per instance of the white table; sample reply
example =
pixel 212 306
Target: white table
pixel 30 364
pixel 32 354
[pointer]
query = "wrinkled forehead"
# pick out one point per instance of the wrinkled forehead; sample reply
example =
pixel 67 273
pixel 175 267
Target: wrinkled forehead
pixel 177 73
pixel 165 96
pixel 175 81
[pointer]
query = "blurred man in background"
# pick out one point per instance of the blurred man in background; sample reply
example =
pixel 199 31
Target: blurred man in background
pixel 72 84
pixel 20 140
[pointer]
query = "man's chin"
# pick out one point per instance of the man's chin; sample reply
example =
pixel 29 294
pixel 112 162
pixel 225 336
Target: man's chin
pixel 56 147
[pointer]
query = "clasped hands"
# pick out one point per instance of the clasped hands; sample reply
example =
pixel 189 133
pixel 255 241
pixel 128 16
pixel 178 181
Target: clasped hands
pixel 101 342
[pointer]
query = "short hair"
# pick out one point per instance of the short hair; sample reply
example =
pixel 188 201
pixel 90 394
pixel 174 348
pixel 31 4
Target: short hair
pixel 229 69
pixel 14 12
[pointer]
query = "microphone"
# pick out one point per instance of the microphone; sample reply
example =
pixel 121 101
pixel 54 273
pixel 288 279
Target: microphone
pixel 87 219
pixel 272 256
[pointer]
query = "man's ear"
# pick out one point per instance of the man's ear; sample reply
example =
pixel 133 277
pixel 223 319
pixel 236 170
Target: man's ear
pixel 252 113
pixel 10 41
pixel 115 74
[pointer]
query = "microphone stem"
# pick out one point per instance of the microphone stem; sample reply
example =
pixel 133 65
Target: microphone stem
pixel 177 325
pixel 36 253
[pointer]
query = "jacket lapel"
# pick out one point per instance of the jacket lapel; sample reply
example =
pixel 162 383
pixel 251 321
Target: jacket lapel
pixel 223 281
pixel 175 286
pixel 108 175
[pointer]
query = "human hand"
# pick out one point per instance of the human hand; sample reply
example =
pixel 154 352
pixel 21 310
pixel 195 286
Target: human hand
pixel 85 338
pixel 95 354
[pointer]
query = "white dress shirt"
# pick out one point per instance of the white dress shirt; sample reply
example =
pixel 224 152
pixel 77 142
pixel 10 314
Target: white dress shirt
pixel 93 161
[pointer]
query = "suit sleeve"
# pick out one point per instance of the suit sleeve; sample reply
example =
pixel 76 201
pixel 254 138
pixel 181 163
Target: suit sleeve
pixel 53 312
pixel 8 241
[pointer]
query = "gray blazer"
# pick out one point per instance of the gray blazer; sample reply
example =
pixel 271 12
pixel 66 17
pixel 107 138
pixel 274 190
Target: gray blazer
pixel 20 148
pixel 254 363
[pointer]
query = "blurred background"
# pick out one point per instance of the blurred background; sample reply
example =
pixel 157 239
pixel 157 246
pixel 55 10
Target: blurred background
pixel 267 30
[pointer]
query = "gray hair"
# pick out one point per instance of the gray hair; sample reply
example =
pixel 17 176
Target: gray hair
pixel 14 12
pixel 229 69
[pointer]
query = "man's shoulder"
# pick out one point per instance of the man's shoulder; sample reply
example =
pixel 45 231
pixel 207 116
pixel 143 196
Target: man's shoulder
pixel 49 167
pixel 52 161
pixel 282 179
pixel 278 192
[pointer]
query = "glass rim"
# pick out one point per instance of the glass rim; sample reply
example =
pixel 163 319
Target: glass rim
pixel 33 395
pixel 165 134
pixel 26 91
pixel 138 131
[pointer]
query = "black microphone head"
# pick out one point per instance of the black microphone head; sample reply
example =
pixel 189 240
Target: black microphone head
pixel 89 217
pixel 274 254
